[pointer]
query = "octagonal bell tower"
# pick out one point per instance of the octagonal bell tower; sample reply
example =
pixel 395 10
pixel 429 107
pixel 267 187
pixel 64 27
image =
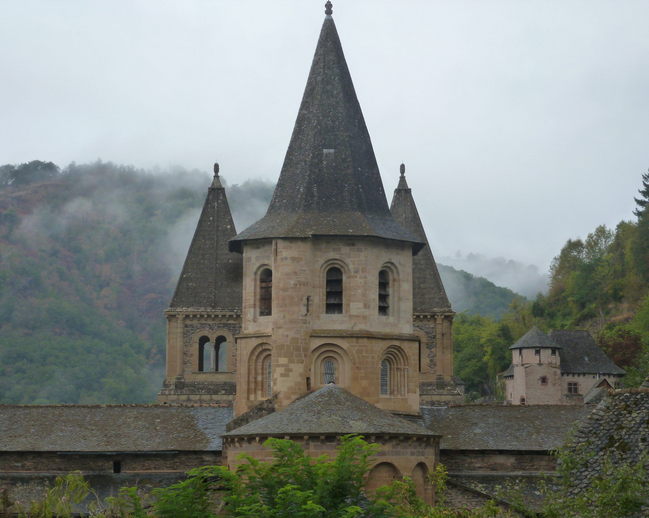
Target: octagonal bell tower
pixel 327 273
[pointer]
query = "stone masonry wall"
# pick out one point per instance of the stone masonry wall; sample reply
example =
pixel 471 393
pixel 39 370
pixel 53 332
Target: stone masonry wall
pixel 51 462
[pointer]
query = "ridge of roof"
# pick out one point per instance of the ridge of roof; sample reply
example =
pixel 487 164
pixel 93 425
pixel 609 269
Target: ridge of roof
pixel 535 339
pixel 330 183
pixel 211 277
pixel 428 291
pixel 330 410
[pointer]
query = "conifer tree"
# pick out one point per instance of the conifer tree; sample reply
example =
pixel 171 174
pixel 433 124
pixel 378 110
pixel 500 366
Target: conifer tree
pixel 642 202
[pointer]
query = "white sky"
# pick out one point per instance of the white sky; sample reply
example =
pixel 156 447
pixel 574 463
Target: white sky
pixel 521 123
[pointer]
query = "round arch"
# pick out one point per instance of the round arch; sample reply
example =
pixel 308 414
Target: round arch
pixel 259 367
pixel 342 363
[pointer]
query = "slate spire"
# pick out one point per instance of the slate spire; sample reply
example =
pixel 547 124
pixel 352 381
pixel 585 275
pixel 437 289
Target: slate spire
pixel 428 292
pixel 211 277
pixel 330 182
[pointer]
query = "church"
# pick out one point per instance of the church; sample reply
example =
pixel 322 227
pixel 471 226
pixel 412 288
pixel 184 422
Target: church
pixel 326 317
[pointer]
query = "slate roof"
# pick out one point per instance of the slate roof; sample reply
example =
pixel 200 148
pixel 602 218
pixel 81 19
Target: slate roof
pixel 330 183
pixel 503 427
pixel 211 278
pixel 535 339
pixel 618 427
pixel 330 410
pixel 428 291
pixel 580 354
pixel 111 428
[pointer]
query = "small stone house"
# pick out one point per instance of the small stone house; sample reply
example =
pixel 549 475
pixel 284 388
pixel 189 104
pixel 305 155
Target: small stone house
pixel 564 367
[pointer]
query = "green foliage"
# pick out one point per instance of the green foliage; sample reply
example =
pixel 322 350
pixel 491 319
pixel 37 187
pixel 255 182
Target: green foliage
pixel 621 489
pixel 85 274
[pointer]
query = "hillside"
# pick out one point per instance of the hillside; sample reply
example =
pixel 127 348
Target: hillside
pixel 89 257
pixel 475 295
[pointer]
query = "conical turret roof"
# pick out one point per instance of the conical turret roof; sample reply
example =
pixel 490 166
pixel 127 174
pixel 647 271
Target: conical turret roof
pixel 211 278
pixel 428 291
pixel 330 182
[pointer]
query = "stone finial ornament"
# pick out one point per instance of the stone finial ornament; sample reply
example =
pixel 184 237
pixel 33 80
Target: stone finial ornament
pixel 402 169
pixel 329 8
pixel 216 182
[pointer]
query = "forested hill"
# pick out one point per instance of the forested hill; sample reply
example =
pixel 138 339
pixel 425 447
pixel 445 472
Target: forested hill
pixel 88 260
pixel 89 257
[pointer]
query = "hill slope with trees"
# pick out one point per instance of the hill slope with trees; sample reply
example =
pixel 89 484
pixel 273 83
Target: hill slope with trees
pixel 89 257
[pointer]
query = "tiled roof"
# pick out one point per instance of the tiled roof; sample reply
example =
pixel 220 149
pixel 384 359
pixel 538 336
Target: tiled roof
pixel 618 427
pixel 330 183
pixel 211 277
pixel 428 291
pixel 503 427
pixel 111 428
pixel 535 339
pixel 330 410
pixel 580 354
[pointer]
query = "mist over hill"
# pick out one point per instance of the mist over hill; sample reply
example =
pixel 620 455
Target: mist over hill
pixel 89 258
pixel 521 278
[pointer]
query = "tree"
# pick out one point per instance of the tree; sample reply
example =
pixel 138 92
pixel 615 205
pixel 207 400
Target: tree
pixel 644 200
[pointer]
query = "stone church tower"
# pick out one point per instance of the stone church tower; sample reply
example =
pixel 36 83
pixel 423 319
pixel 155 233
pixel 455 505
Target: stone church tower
pixel 328 272
pixel 432 313
pixel 204 316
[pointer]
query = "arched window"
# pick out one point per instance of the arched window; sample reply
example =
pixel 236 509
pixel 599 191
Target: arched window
pixel 384 293
pixel 220 357
pixel 266 292
pixel 329 375
pixel 385 374
pixel 269 379
pixel 334 300
pixel 394 372
pixel 204 353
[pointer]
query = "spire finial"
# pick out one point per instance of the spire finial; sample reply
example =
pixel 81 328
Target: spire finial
pixel 402 169
pixel 216 182
pixel 328 8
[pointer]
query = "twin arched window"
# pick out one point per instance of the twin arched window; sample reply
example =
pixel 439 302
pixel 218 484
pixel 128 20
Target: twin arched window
pixel 212 357
pixel 266 293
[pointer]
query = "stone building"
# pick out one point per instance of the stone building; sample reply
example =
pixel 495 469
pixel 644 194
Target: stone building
pixel 564 367
pixel 204 315
pixel 331 278
pixel 486 448
pixel 326 317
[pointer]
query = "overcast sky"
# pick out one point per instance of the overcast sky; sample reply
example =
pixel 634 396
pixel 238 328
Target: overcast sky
pixel 521 123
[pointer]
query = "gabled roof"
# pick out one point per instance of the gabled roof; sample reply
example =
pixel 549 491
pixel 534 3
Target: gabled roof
pixel 330 410
pixel 330 183
pixel 211 278
pixel 111 428
pixel 580 353
pixel 503 427
pixel 536 339
pixel 428 292
pixel 618 427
